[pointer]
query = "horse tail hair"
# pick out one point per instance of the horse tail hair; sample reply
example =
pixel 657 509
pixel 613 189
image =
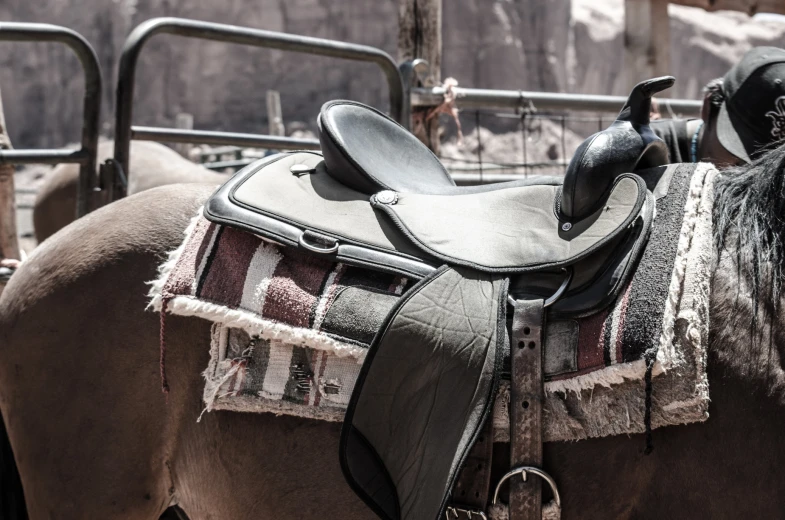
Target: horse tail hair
pixel 12 498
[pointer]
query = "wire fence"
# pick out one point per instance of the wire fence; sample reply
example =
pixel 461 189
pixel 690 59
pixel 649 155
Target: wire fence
pixel 539 143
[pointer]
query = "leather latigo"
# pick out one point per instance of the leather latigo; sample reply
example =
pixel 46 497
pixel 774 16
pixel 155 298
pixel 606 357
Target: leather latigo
pixel 527 395
pixel 472 488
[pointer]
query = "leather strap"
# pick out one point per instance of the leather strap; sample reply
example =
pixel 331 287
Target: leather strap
pixel 473 485
pixel 526 407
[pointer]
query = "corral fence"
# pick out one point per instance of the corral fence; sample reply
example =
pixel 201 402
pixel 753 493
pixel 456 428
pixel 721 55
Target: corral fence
pixel 548 126
pixel 533 110
pixel 125 131
pixel 85 156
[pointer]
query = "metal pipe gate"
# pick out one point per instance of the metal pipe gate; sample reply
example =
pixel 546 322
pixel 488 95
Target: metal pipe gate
pixel 91 112
pixel 518 100
pixel 124 131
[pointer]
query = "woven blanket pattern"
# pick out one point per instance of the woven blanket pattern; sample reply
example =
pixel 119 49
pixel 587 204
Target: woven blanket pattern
pixel 291 330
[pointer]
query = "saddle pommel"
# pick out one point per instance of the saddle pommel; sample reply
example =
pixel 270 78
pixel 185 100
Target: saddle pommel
pixel 637 110
pixel 628 144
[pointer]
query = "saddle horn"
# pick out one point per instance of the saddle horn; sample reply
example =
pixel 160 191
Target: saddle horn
pixel 637 110
pixel 626 145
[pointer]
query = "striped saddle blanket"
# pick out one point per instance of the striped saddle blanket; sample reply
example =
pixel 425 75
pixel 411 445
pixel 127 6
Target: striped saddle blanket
pixel 290 331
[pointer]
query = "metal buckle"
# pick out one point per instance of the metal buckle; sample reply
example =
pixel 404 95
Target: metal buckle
pixel 452 513
pixel 523 471
pixel 559 292
pixel 328 250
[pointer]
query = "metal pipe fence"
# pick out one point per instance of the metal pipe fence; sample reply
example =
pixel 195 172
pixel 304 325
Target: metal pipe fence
pixel 124 131
pixel 91 111
pixel 519 100
pixel 172 135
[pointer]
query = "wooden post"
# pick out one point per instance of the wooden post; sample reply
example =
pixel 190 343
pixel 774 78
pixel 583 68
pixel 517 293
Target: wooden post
pixel 420 36
pixel 9 243
pixel 647 41
pixel 184 121
pixel 274 113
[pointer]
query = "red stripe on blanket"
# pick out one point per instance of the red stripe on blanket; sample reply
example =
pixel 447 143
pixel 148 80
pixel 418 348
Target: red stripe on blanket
pixel 620 328
pixel 226 273
pixel 180 281
pixel 294 288
pixel 591 339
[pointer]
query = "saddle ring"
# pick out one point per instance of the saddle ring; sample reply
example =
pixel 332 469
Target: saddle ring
pixel 523 471
pixel 316 249
pixel 559 292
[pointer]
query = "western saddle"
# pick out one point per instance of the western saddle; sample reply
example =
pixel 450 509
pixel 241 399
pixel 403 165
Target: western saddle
pixel 415 442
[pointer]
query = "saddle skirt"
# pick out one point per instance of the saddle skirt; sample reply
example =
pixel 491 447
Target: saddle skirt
pixel 376 199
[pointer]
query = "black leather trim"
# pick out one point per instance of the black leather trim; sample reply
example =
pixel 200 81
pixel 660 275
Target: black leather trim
pixel 353 434
pixel 361 256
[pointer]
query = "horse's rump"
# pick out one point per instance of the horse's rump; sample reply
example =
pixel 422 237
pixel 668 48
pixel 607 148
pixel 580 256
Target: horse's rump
pixel 291 330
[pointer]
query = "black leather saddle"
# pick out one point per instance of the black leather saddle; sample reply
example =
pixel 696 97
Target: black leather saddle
pixel 376 197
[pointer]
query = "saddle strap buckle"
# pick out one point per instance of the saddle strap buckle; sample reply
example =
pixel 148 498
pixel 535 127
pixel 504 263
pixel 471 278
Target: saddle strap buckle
pixel 318 243
pixel 568 272
pixel 454 513
pixel 524 471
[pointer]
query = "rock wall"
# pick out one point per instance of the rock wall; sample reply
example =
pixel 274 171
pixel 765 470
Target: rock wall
pixel 553 45
pixel 703 46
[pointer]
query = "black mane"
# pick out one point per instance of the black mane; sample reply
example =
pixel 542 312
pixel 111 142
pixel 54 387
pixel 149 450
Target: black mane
pixel 749 225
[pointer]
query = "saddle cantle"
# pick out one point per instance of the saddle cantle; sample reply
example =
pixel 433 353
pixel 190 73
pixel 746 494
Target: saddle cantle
pixel 377 198
pixel 357 143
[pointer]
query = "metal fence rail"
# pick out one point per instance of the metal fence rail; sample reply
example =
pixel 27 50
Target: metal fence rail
pixel 91 112
pixel 172 135
pixel 531 108
pixel 519 100
pixel 124 132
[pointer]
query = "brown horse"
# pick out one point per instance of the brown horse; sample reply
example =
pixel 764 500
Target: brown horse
pixel 94 437
pixel 152 165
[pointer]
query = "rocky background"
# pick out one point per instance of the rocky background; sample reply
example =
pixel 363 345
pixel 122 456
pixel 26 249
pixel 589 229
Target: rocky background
pixel 550 45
